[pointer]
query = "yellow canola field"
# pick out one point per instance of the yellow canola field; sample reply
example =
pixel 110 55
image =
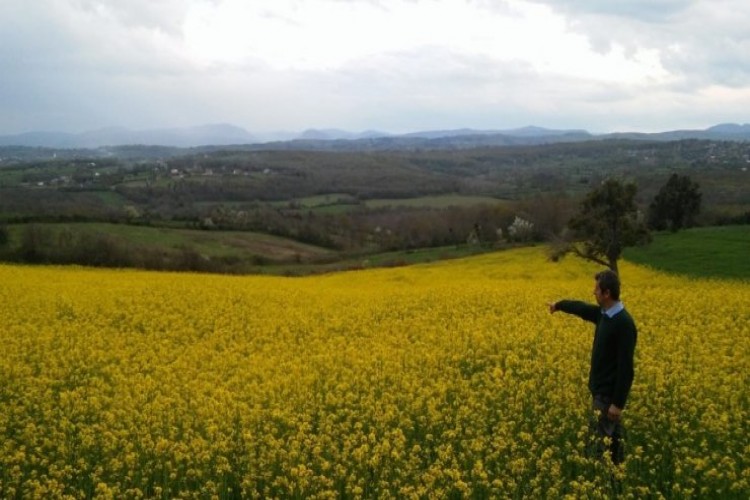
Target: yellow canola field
pixel 448 380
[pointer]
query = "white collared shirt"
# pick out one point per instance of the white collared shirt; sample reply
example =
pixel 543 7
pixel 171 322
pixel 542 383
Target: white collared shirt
pixel 612 311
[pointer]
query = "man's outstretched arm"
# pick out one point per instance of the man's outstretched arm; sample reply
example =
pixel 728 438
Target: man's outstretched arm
pixel 586 312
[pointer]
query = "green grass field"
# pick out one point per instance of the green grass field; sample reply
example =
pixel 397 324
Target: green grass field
pixel 342 203
pixel 722 252
pixel 326 200
pixel 442 201
pixel 111 199
pixel 210 243
pixel 334 203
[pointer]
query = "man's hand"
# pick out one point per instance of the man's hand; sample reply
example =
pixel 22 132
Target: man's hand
pixel 552 308
pixel 614 413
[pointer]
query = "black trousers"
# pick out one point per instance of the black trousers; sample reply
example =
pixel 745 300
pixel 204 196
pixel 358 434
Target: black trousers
pixel 606 428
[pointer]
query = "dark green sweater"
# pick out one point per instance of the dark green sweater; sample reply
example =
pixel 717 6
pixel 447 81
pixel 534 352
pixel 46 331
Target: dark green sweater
pixel 612 354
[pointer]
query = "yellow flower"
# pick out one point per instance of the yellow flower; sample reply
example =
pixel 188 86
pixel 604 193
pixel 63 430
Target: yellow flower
pixel 429 381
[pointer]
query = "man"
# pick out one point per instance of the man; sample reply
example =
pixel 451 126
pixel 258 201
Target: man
pixel 611 373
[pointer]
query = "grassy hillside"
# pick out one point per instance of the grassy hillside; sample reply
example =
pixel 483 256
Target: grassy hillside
pixel 722 252
pixel 230 251
pixel 341 202
pixel 210 243
pixel 443 201
pixel 109 245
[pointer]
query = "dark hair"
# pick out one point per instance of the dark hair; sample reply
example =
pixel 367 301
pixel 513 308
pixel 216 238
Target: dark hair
pixel 608 281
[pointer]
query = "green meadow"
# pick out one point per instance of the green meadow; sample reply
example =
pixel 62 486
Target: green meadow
pixel 721 252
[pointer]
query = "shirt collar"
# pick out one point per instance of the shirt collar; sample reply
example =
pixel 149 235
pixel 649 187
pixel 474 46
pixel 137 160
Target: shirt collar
pixel 616 308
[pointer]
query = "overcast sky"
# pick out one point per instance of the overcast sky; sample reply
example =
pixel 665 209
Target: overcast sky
pixel 388 65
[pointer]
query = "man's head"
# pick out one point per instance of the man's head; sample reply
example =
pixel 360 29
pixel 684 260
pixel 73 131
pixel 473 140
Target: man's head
pixel 607 288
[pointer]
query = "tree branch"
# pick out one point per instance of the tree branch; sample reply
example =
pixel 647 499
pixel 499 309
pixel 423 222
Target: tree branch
pixel 588 256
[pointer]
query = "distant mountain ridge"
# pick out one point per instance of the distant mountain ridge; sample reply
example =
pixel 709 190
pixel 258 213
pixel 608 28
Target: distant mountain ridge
pixel 203 135
pixel 336 134
pixel 336 139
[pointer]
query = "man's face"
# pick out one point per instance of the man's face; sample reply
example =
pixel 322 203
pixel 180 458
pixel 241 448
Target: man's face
pixel 601 297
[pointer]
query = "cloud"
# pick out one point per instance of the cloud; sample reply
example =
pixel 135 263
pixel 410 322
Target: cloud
pixel 699 42
pixel 65 64
pixel 326 35
pixel 652 11
pixel 391 64
pixel 160 15
pixel 711 45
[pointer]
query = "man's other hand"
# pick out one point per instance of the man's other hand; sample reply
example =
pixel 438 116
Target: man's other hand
pixel 614 413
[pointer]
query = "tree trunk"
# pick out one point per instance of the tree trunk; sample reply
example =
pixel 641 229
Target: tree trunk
pixel 613 265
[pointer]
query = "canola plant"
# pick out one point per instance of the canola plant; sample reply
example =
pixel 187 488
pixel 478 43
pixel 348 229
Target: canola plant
pixel 447 380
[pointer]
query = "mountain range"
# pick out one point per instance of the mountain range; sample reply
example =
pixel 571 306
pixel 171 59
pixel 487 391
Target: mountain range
pixel 226 135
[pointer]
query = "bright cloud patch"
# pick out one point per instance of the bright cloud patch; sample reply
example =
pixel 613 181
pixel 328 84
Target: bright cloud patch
pixel 328 34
